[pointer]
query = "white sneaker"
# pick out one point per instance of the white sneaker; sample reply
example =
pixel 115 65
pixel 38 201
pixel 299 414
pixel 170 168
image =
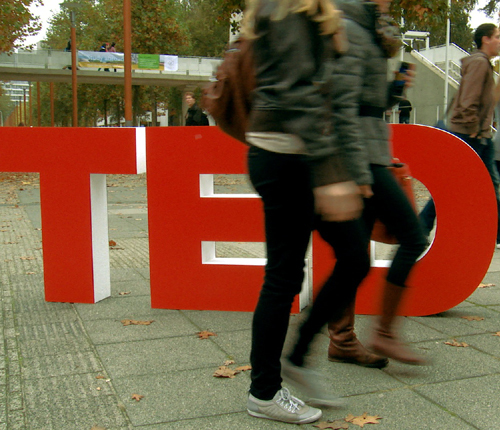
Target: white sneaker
pixel 498 245
pixel 309 382
pixel 283 407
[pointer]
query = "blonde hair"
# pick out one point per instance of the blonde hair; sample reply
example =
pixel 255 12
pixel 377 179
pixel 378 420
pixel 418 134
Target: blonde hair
pixel 322 11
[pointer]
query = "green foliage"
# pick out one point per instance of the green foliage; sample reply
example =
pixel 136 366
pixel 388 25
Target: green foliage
pixel 17 22
pixel 460 31
pixel 208 30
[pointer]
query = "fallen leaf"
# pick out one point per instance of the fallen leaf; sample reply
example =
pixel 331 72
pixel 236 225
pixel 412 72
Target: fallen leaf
pixel 30 273
pixel 205 334
pixel 124 293
pixel 457 344
pixel 481 285
pixel 135 322
pixel 473 318
pixel 137 397
pixel 100 377
pixel 337 424
pixel 497 333
pixel 27 258
pixel 225 372
pixel 244 368
pixel 112 243
pixel 363 419
pixel 228 362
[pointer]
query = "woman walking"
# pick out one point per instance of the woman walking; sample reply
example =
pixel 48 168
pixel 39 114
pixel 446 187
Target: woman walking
pixel 361 81
pixel 307 179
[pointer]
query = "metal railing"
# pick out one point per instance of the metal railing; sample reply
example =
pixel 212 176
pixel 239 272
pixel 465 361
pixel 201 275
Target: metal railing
pixel 53 59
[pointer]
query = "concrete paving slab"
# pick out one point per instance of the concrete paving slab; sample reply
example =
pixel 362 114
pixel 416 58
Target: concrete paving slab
pixel 112 331
pixel 157 356
pixel 236 344
pixel 401 409
pixel 235 420
pixel 176 396
pixel 75 402
pixel 126 274
pixel 136 288
pixel 121 307
pixel 476 400
pixel 52 338
pixel 488 342
pixel 448 363
pixel 218 321
pixel 486 296
pixel 451 323
pixel 60 364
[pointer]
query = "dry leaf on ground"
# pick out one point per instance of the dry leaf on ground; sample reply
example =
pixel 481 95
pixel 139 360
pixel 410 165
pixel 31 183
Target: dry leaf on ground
pixel 481 285
pixel 124 293
pixel 335 425
pixel 225 372
pixel 473 318
pixel 497 333
pixel 243 368
pixel 135 322
pixel 112 243
pixel 457 344
pixel 228 362
pixel 100 377
pixel 137 397
pixel 205 334
pixel 363 419
pixel 27 258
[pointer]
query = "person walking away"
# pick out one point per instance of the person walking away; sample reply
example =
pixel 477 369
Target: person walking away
pixel 404 111
pixel 373 39
pixel 306 179
pixel 194 114
pixel 472 109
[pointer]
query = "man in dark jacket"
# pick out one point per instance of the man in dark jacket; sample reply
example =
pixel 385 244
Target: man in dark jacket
pixel 194 115
pixel 404 111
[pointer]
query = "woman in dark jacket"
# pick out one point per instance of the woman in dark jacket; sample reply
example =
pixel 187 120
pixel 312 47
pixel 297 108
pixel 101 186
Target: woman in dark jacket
pixel 360 78
pixel 307 179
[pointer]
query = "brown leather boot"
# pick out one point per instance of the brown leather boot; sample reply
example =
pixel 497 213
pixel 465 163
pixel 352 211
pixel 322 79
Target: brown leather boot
pixel 385 340
pixel 345 347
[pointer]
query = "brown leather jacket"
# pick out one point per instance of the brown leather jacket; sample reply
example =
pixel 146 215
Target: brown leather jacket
pixel 474 103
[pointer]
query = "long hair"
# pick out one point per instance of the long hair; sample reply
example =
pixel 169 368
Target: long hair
pixel 322 11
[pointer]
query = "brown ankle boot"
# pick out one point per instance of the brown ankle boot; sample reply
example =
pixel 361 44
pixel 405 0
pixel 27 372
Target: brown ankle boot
pixel 345 347
pixel 385 340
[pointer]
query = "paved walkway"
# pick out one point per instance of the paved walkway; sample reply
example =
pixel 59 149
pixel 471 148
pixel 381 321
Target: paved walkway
pixel 74 366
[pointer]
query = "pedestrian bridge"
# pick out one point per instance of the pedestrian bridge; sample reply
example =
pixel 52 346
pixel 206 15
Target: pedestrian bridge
pixel 54 66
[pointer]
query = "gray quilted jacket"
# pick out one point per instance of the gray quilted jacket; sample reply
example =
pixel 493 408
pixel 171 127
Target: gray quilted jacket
pixel 360 82
pixel 292 95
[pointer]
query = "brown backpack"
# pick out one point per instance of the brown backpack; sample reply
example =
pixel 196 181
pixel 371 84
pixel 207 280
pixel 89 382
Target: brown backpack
pixel 228 99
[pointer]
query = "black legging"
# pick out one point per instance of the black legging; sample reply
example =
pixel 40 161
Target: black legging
pixel 283 182
pixel 390 204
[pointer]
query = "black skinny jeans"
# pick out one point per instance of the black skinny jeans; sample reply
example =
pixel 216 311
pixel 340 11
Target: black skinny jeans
pixel 283 182
pixel 390 204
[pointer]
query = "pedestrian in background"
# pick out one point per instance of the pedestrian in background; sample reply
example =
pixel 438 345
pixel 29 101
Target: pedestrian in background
pixel 472 110
pixel 194 114
pixel 404 111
